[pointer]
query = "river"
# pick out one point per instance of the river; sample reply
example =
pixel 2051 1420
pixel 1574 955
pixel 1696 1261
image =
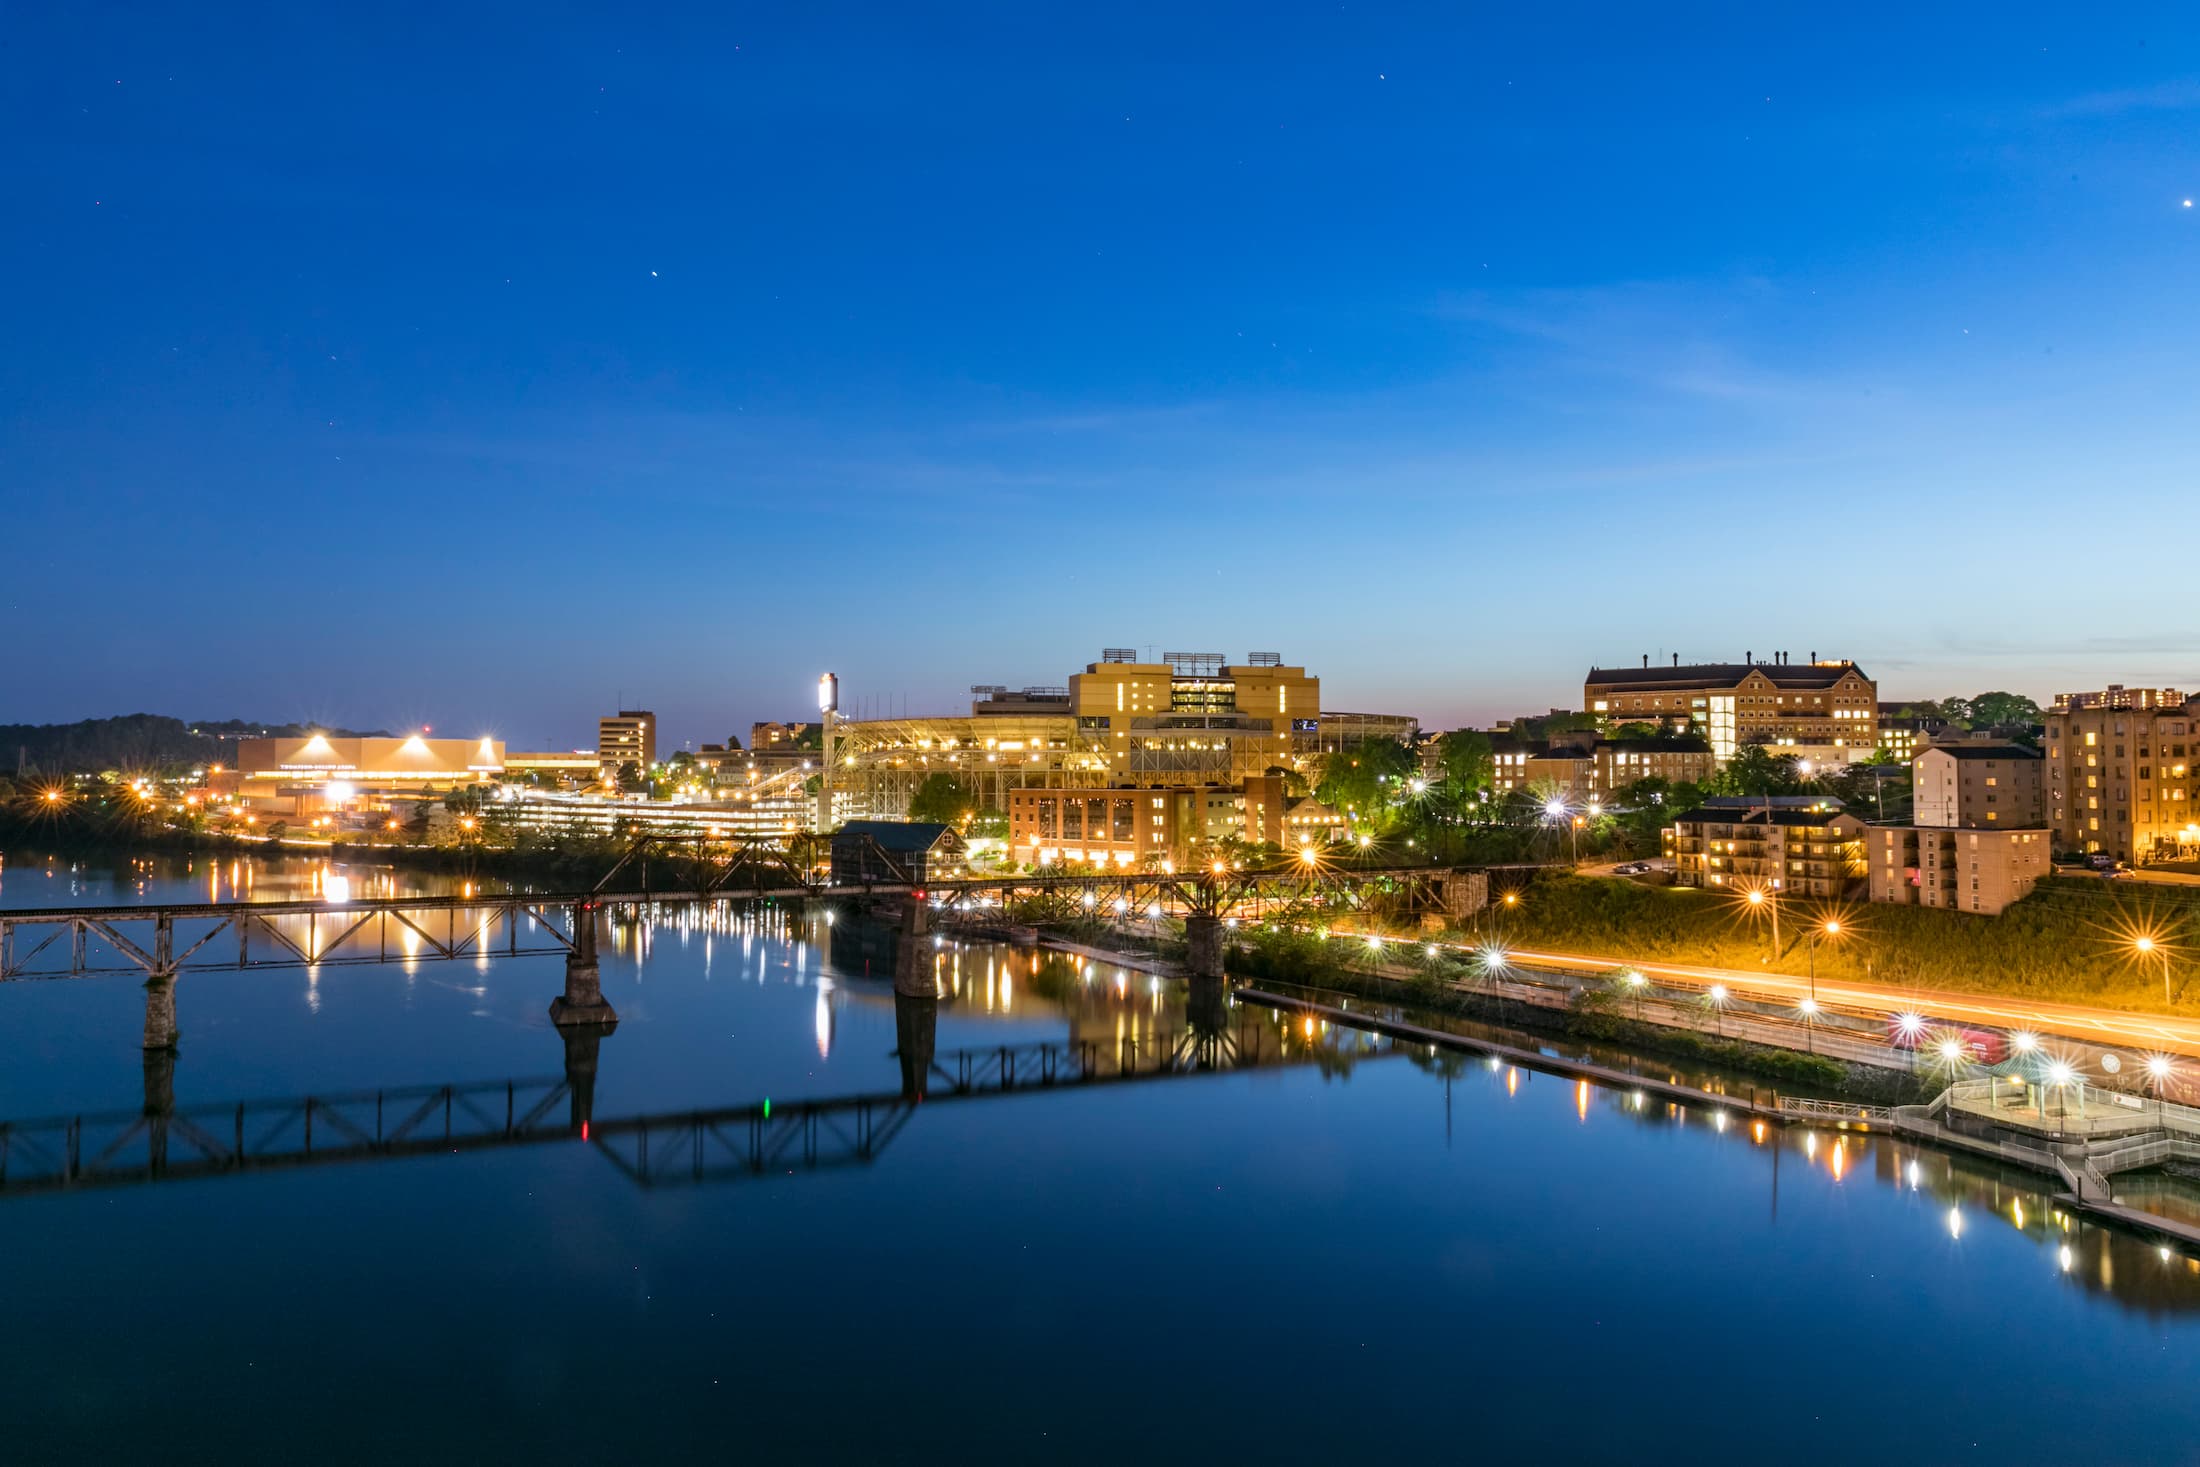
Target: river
pixel 1348 1250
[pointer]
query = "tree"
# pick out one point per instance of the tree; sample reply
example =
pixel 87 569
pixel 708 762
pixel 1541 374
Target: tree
pixel 1365 780
pixel 943 799
pixel 1997 708
pixel 1754 770
pixel 1469 765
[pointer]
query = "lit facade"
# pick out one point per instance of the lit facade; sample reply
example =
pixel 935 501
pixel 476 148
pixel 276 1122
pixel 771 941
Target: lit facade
pixel 1979 786
pixel 1783 849
pixel 1125 826
pixel 323 773
pixel 1186 720
pixel 1961 870
pixel 1826 712
pixel 2118 773
pixel 627 737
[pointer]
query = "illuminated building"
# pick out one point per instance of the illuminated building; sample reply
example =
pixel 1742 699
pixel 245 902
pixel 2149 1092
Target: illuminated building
pixel 1979 786
pixel 296 776
pixel 1826 712
pixel 1124 826
pixel 1187 720
pixel 1581 767
pixel 1963 870
pixel 629 737
pixel 2118 772
pixel 1785 848
pixel 577 764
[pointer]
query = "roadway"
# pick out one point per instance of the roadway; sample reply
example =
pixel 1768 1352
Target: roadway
pixel 2116 1028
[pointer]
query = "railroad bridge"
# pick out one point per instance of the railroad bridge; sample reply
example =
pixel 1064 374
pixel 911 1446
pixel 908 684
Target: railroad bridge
pixel 165 940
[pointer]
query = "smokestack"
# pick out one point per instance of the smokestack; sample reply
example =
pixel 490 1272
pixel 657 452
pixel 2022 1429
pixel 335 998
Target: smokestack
pixel 1645 659
pixel 1676 659
pixel 1750 658
pixel 1814 656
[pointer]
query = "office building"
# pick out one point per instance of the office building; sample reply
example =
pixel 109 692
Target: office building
pixel 1826 713
pixel 1959 869
pixel 629 737
pixel 1979 786
pixel 2118 773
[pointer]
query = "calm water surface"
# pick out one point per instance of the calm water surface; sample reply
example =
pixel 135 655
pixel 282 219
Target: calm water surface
pixel 1379 1253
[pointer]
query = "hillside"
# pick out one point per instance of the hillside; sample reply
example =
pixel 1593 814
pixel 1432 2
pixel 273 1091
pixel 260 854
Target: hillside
pixel 132 741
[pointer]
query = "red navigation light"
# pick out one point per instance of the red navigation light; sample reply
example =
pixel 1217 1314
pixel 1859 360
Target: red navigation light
pixel 584 1130
pixel 918 894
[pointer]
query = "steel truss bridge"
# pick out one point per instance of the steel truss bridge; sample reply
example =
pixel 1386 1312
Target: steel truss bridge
pixel 164 940
pixel 162 1142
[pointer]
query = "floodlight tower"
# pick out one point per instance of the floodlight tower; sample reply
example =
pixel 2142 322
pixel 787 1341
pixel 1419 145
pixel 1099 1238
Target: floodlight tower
pixel 828 706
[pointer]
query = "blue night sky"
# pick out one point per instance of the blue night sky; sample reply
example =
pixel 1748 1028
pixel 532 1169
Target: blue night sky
pixel 482 366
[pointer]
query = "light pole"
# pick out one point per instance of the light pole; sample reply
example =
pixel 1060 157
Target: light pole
pixel 1763 897
pixel 2145 946
pixel 1831 927
pixel 2158 1070
pixel 1717 994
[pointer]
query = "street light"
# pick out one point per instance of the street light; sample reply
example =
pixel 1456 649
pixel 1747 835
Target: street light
pixel 1717 994
pixel 2146 947
pixel 1762 896
pixel 2159 1069
pixel 1556 810
pixel 1809 1006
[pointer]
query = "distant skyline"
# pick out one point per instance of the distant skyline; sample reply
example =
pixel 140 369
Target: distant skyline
pixel 474 368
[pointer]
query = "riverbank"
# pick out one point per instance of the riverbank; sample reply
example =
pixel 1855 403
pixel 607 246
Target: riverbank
pixel 2070 941
pixel 568 863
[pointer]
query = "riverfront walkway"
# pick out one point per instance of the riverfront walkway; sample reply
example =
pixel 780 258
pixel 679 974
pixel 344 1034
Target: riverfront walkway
pixel 2081 1166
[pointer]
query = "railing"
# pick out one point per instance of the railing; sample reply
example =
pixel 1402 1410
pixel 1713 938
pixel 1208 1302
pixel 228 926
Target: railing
pixel 1833 1110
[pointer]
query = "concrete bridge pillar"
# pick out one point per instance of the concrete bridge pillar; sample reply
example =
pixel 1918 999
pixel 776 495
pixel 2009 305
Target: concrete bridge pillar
pixel 160 1013
pixel 916 1027
pixel 582 1002
pixel 913 964
pixel 1203 936
pixel 582 1045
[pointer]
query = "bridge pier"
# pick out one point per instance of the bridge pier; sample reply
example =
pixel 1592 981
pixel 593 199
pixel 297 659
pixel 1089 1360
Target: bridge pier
pixel 916 1029
pixel 913 973
pixel 1203 938
pixel 160 1013
pixel 582 1002
pixel 583 1046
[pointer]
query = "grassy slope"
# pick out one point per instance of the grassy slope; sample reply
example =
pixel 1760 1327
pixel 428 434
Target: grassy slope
pixel 2062 943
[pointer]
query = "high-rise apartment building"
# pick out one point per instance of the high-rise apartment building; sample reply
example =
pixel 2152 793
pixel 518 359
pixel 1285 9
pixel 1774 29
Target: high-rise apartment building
pixel 630 737
pixel 1825 712
pixel 2119 772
